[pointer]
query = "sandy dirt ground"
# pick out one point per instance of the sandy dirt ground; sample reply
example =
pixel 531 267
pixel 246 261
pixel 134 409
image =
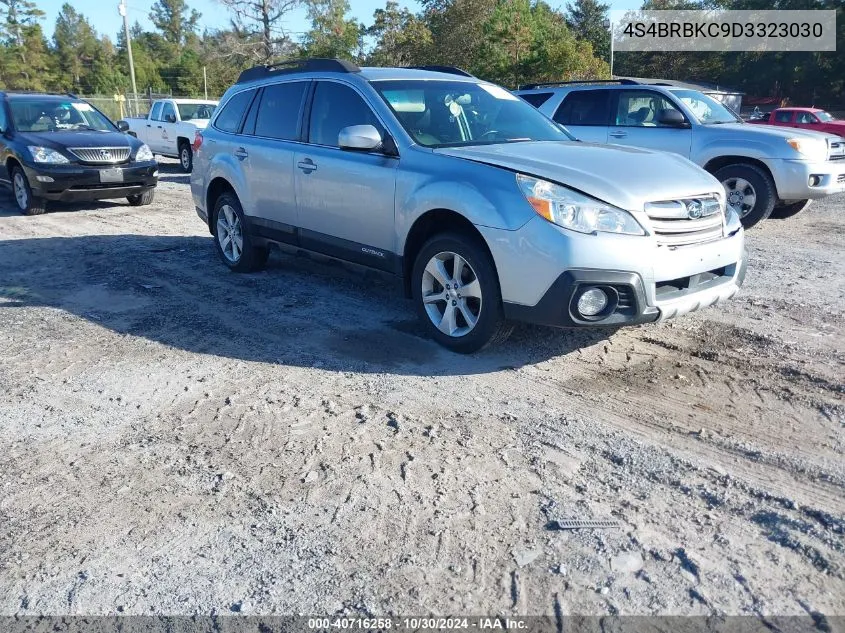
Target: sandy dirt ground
pixel 180 439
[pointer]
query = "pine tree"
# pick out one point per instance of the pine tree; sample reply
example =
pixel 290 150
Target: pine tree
pixel 589 21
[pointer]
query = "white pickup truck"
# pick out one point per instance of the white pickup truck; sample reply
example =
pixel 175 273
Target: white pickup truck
pixel 171 126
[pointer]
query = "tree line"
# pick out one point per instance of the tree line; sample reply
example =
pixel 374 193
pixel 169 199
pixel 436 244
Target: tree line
pixel 507 41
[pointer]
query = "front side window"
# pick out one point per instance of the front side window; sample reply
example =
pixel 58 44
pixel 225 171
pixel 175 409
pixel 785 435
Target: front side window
pixel 155 115
pixel 706 109
pixel 784 116
pixel 642 108
pixel 824 117
pixel 279 109
pixel 335 107
pixel 584 107
pixel 452 113
pixel 36 115
pixel 194 111
pixel 168 113
pixel 229 119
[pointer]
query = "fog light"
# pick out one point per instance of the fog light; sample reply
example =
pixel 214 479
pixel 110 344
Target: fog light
pixel 815 180
pixel 592 302
pixel 155 174
pixel 44 179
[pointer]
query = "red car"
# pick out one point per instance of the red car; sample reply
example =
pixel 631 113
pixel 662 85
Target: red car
pixel 806 118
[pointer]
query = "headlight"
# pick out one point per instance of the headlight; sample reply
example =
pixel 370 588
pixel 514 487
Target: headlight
pixel 46 155
pixel 812 148
pixel 573 210
pixel 144 153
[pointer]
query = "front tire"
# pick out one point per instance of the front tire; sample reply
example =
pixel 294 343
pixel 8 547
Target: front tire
pixel 788 210
pixel 750 192
pixel 235 246
pixel 456 293
pixel 28 204
pixel 186 157
pixel 142 199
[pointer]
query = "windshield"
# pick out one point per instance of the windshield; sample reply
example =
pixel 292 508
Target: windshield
pixel 53 115
pixel 824 117
pixel 450 113
pixel 188 111
pixel 706 109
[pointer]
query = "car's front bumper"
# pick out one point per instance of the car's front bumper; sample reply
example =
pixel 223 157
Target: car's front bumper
pixel 543 270
pixel 76 183
pixel 805 180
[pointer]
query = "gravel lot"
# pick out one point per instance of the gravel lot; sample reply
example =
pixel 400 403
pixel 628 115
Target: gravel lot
pixel 180 439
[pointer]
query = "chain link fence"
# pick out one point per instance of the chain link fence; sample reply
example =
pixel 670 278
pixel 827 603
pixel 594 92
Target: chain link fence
pixel 126 105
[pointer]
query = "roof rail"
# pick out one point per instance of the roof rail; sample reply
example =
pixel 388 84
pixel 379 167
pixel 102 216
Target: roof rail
pixel 451 70
pixel 313 64
pixel 551 84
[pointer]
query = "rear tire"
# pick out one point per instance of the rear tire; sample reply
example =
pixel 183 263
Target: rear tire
pixel 235 246
pixel 788 210
pixel 186 157
pixel 741 181
pixel 142 199
pixel 27 203
pixel 463 311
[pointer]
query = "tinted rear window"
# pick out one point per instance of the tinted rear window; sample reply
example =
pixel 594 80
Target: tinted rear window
pixel 278 112
pixel 784 116
pixel 229 119
pixel 584 107
pixel 537 98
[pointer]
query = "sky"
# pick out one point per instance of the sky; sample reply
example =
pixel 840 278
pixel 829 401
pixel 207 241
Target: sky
pixel 104 17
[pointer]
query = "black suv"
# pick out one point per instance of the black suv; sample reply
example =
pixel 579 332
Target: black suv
pixel 60 147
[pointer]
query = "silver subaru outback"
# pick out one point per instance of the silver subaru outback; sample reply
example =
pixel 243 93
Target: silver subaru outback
pixel 488 210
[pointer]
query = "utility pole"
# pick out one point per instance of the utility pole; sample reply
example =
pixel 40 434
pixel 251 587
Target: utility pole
pixel 205 82
pixel 121 8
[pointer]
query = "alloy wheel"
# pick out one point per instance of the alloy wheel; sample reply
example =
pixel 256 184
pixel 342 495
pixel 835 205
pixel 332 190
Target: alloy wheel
pixel 741 196
pixel 21 195
pixel 230 233
pixel 451 294
pixel 185 157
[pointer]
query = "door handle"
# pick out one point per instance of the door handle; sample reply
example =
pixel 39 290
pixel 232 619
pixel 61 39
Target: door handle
pixel 158 126
pixel 307 165
pixel 241 153
pixel 619 134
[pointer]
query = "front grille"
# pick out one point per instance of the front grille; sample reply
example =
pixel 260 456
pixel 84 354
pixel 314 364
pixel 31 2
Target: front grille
pixel 837 150
pixel 841 178
pixel 101 155
pixel 687 221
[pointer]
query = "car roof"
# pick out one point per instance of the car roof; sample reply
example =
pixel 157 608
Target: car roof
pixel 39 95
pixel 187 101
pixel 374 73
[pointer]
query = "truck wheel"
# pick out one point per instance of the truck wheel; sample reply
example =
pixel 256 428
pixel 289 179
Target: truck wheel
pixel 456 293
pixel 788 210
pixel 186 157
pixel 235 246
pixel 142 199
pixel 27 203
pixel 749 190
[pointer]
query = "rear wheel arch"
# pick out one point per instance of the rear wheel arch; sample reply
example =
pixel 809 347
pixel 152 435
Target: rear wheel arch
pixel 431 223
pixel 216 188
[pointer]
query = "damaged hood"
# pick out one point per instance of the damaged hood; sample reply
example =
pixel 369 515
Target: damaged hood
pixel 626 177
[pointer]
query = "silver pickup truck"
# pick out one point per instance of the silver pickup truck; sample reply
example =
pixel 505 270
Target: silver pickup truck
pixel 765 170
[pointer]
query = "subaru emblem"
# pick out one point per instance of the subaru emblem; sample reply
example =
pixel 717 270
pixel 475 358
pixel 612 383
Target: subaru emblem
pixel 694 209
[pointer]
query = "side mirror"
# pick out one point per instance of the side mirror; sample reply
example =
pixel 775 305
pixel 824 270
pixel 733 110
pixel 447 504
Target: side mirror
pixel 170 118
pixel 123 126
pixel 362 138
pixel 671 118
